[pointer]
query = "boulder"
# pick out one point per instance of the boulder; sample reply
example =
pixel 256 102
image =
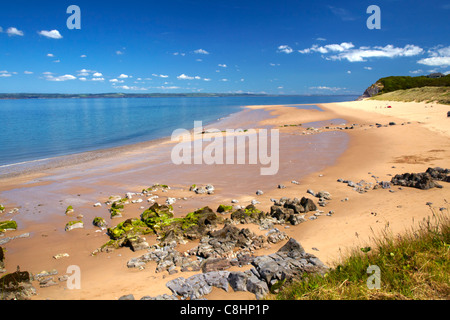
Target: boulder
pixel 74 225
pixel 16 286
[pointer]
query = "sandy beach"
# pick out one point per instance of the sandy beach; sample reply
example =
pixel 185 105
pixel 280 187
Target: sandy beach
pixel 410 138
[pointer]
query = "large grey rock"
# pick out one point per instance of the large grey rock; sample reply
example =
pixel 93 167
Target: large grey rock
pixel 238 281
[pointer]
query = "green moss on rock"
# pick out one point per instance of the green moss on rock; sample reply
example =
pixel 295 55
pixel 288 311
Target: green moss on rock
pixel 224 208
pixel 129 227
pixel 8 225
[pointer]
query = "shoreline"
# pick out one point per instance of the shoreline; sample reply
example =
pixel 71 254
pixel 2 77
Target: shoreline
pixel 371 151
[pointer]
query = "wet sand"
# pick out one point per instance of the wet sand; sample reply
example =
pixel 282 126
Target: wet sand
pixel 316 160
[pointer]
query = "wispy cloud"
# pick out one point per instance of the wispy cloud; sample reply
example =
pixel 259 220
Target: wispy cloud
pixel 342 13
pixel 124 76
pixel 334 89
pixel 201 51
pixel 53 34
pixel 347 51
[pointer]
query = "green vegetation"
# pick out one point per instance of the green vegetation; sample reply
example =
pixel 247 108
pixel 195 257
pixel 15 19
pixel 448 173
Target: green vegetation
pixel 8 225
pixel 69 210
pixel 427 94
pixel 224 208
pixel 395 83
pixel 2 208
pixel 415 266
pixel 130 227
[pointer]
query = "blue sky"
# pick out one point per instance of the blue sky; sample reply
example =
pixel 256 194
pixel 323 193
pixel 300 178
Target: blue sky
pixel 275 47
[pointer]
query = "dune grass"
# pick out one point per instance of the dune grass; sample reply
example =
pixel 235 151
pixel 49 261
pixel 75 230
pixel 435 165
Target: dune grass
pixel 413 266
pixel 427 94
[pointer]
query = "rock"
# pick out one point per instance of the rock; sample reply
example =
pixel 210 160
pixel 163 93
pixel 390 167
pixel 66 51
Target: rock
pixel 2 260
pixel 47 282
pixel 99 222
pixel 311 192
pixel 256 286
pixel 448 114
pixel 60 256
pixel 392 123
pixel 8 225
pixel 238 281
pixel 7 239
pixel 127 297
pixel 259 192
pixel 215 264
pixel 281 186
pixel 218 279
pixel 193 288
pixel 295 182
pixel 254 201
pixel 98 204
pixel 324 195
pixel 234 201
pixel 69 210
pixel 16 286
pixel 170 201
pixel 308 204
pixel 424 181
pixel 74 225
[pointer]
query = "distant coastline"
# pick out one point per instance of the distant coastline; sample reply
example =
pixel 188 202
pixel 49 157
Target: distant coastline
pixel 16 96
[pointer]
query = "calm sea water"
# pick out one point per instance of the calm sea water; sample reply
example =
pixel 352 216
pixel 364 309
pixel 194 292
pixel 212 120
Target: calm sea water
pixel 45 128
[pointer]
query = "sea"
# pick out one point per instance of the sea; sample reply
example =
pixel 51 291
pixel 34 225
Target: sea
pixel 38 129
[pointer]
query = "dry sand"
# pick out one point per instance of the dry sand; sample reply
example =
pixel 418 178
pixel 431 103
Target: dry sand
pixel 315 160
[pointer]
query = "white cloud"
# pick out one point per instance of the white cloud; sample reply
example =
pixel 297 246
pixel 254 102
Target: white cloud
pixel 285 49
pixel 53 34
pixel 119 53
pixel 349 72
pixel 274 64
pixel 116 81
pixel 83 56
pixel 327 88
pixel 206 79
pixel 184 77
pixel 224 80
pixel 97 74
pixel 321 39
pixel 12 31
pixel 160 75
pixel 57 61
pixel 222 65
pixel 368 68
pixel 28 72
pixel 5 75
pixel 389 51
pixel 60 78
pixel 98 79
pixel 132 88
pixel 82 79
pixel 438 56
pixel 201 51
pixel 416 71
pixel 51 55
pixel 435 61
pixel 124 76
pixel 179 54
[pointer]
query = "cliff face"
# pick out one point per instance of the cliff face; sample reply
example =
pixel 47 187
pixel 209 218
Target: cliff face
pixel 371 91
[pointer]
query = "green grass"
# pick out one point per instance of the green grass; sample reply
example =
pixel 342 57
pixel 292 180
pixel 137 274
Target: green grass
pixel 414 266
pixel 427 94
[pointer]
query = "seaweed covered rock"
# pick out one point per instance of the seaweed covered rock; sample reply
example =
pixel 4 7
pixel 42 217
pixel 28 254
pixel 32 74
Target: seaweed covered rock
pixel 248 215
pixel 129 228
pixel 193 226
pixel 8 225
pixel 16 286
pixel 71 225
pixel 99 222
pixel 424 180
